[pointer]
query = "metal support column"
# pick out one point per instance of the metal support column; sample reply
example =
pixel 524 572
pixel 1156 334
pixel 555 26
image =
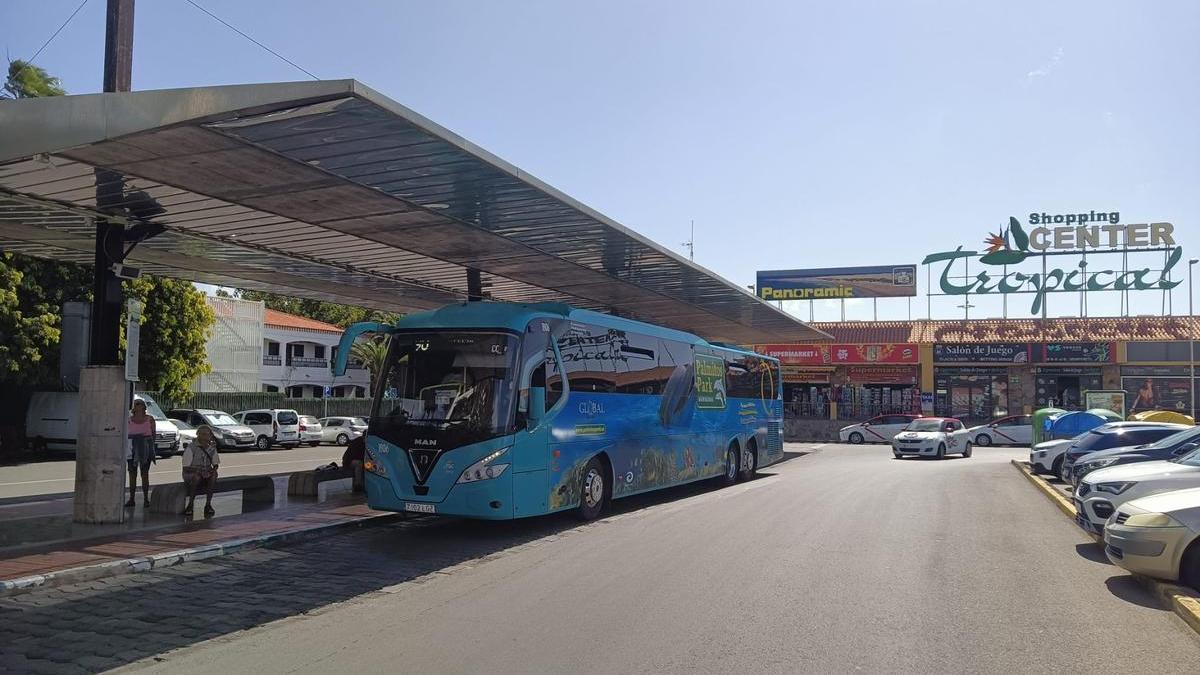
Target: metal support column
pixel 474 285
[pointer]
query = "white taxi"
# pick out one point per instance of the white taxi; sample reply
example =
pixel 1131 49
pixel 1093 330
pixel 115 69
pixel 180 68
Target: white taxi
pixel 878 429
pixel 933 437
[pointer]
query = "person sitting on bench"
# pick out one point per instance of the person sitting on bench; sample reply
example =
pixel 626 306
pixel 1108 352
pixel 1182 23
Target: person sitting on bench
pixel 200 462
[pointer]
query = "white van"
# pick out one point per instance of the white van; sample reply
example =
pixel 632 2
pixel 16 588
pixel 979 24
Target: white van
pixel 272 427
pixel 52 422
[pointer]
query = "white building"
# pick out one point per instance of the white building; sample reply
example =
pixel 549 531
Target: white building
pixel 296 353
pixel 256 349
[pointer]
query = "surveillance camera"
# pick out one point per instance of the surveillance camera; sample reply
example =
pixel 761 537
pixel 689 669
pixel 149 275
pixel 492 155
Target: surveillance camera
pixel 125 271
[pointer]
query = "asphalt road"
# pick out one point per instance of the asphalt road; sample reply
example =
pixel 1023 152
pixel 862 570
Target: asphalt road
pixel 57 474
pixel 843 560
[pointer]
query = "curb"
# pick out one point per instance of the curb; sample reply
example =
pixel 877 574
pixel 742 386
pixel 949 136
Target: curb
pixel 112 568
pixel 1183 601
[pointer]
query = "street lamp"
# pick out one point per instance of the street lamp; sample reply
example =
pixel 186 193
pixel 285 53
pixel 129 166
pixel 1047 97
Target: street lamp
pixel 1192 338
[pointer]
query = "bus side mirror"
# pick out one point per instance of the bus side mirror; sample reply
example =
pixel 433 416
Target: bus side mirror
pixel 537 406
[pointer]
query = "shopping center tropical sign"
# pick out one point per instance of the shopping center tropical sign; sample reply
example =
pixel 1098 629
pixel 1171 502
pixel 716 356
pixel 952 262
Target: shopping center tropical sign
pixel 1059 234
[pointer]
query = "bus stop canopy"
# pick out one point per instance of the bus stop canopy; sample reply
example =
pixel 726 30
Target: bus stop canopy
pixel 329 190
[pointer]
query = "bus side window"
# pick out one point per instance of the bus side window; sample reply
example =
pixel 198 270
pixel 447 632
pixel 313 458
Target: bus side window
pixel 553 380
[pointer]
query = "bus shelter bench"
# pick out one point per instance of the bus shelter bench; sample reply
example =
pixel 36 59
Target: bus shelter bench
pixel 172 497
pixel 305 483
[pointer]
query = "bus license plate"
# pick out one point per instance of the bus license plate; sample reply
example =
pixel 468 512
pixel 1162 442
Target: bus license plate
pixel 417 507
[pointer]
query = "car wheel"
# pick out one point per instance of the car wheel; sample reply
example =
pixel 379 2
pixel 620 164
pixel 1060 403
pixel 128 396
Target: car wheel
pixel 749 462
pixel 983 440
pixel 856 438
pixel 343 439
pixel 593 493
pixel 313 444
pixel 1056 467
pixel 896 454
pixel 941 451
pixel 1189 566
pixel 967 450
pixel 263 443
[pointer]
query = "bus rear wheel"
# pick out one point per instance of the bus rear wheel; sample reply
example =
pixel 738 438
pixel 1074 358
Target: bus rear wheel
pixel 593 492
pixel 749 461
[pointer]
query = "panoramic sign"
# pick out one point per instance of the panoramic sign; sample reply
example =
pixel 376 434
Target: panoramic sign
pixel 882 281
pixel 1060 234
pixel 833 354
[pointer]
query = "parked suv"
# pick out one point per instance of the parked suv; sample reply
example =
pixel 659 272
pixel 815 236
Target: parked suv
pixel 272 427
pixel 1175 445
pixel 1114 435
pixel 230 434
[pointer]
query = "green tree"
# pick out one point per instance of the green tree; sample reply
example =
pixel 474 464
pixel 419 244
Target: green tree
pixel 176 321
pixel 32 292
pixel 26 80
pixel 373 355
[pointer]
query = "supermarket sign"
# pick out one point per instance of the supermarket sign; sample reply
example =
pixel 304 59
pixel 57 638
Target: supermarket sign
pixel 835 354
pixel 1090 232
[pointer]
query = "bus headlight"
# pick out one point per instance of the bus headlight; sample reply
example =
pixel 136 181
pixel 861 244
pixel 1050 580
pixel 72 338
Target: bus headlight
pixel 372 465
pixel 484 469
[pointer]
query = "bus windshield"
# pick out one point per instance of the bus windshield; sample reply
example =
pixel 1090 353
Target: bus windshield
pixel 448 388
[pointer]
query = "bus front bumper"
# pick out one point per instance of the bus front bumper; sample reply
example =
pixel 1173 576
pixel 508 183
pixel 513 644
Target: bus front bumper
pixel 487 499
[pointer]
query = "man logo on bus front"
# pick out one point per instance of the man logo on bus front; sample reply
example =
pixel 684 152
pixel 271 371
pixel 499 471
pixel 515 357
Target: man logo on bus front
pixel 424 441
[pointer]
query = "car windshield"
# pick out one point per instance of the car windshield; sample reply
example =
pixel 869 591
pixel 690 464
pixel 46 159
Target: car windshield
pixel 183 426
pixel 925 425
pixel 219 419
pixel 358 422
pixel 306 419
pixel 456 387
pixel 1175 439
pixel 287 417
pixel 152 407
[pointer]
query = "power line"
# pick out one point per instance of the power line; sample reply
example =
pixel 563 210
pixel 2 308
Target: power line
pixel 281 57
pixel 55 34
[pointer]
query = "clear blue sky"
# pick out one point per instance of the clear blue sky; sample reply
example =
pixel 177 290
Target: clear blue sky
pixel 794 134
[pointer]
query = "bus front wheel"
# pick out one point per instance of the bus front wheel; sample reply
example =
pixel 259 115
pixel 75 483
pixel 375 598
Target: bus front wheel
pixel 593 492
pixel 731 466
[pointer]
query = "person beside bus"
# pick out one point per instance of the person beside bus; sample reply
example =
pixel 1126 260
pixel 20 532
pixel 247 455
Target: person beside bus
pixel 200 462
pixel 141 451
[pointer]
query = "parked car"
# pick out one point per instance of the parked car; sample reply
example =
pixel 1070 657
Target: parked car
pixel 1103 491
pixel 932 437
pixel 1158 536
pixel 1175 445
pixel 1115 435
pixel 1048 456
pixel 230 434
pixel 52 422
pixel 187 434
pixel 878 429
pixel 1011 430
pixel 311 430
pixel 272 427
pixel 342 430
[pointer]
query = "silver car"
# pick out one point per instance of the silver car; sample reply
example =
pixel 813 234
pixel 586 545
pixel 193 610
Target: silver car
pixel 342 430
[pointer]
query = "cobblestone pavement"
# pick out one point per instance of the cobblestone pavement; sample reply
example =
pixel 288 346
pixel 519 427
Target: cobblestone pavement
pixel 107 623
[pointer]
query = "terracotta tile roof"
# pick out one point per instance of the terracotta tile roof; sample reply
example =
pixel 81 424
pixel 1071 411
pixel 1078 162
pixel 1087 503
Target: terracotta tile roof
pixel 277 319
pixel 889 332
pixel 1091 329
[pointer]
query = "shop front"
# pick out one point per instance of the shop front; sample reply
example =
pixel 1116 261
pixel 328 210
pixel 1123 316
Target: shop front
pixel 1157 388
pixel 971 381
pixel 849 380
pixel 1063 387
pixel 881 390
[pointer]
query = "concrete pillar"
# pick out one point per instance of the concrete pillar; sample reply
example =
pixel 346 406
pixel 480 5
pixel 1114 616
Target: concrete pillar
pixel 100 457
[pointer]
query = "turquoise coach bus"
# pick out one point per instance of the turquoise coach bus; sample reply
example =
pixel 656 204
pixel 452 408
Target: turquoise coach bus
pixel 497 410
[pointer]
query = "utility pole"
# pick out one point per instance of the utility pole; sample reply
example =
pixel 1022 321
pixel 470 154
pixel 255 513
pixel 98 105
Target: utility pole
pixel 103 390
pixel 1192 337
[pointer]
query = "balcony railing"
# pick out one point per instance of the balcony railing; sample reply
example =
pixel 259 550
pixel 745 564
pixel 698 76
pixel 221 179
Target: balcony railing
pixel 306 362
pixel 272 361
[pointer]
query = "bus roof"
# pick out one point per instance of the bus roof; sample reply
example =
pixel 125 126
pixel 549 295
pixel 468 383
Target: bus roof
pixel 515 316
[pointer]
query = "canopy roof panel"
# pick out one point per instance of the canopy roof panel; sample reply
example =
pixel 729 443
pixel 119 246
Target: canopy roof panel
pixel 331 191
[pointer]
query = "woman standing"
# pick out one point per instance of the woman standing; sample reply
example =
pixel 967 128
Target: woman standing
pixel 141 451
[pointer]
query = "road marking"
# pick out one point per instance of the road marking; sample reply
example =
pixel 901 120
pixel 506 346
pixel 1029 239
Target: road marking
pixel 160 473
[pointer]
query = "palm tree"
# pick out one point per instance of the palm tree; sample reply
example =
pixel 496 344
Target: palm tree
pixel 372 354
